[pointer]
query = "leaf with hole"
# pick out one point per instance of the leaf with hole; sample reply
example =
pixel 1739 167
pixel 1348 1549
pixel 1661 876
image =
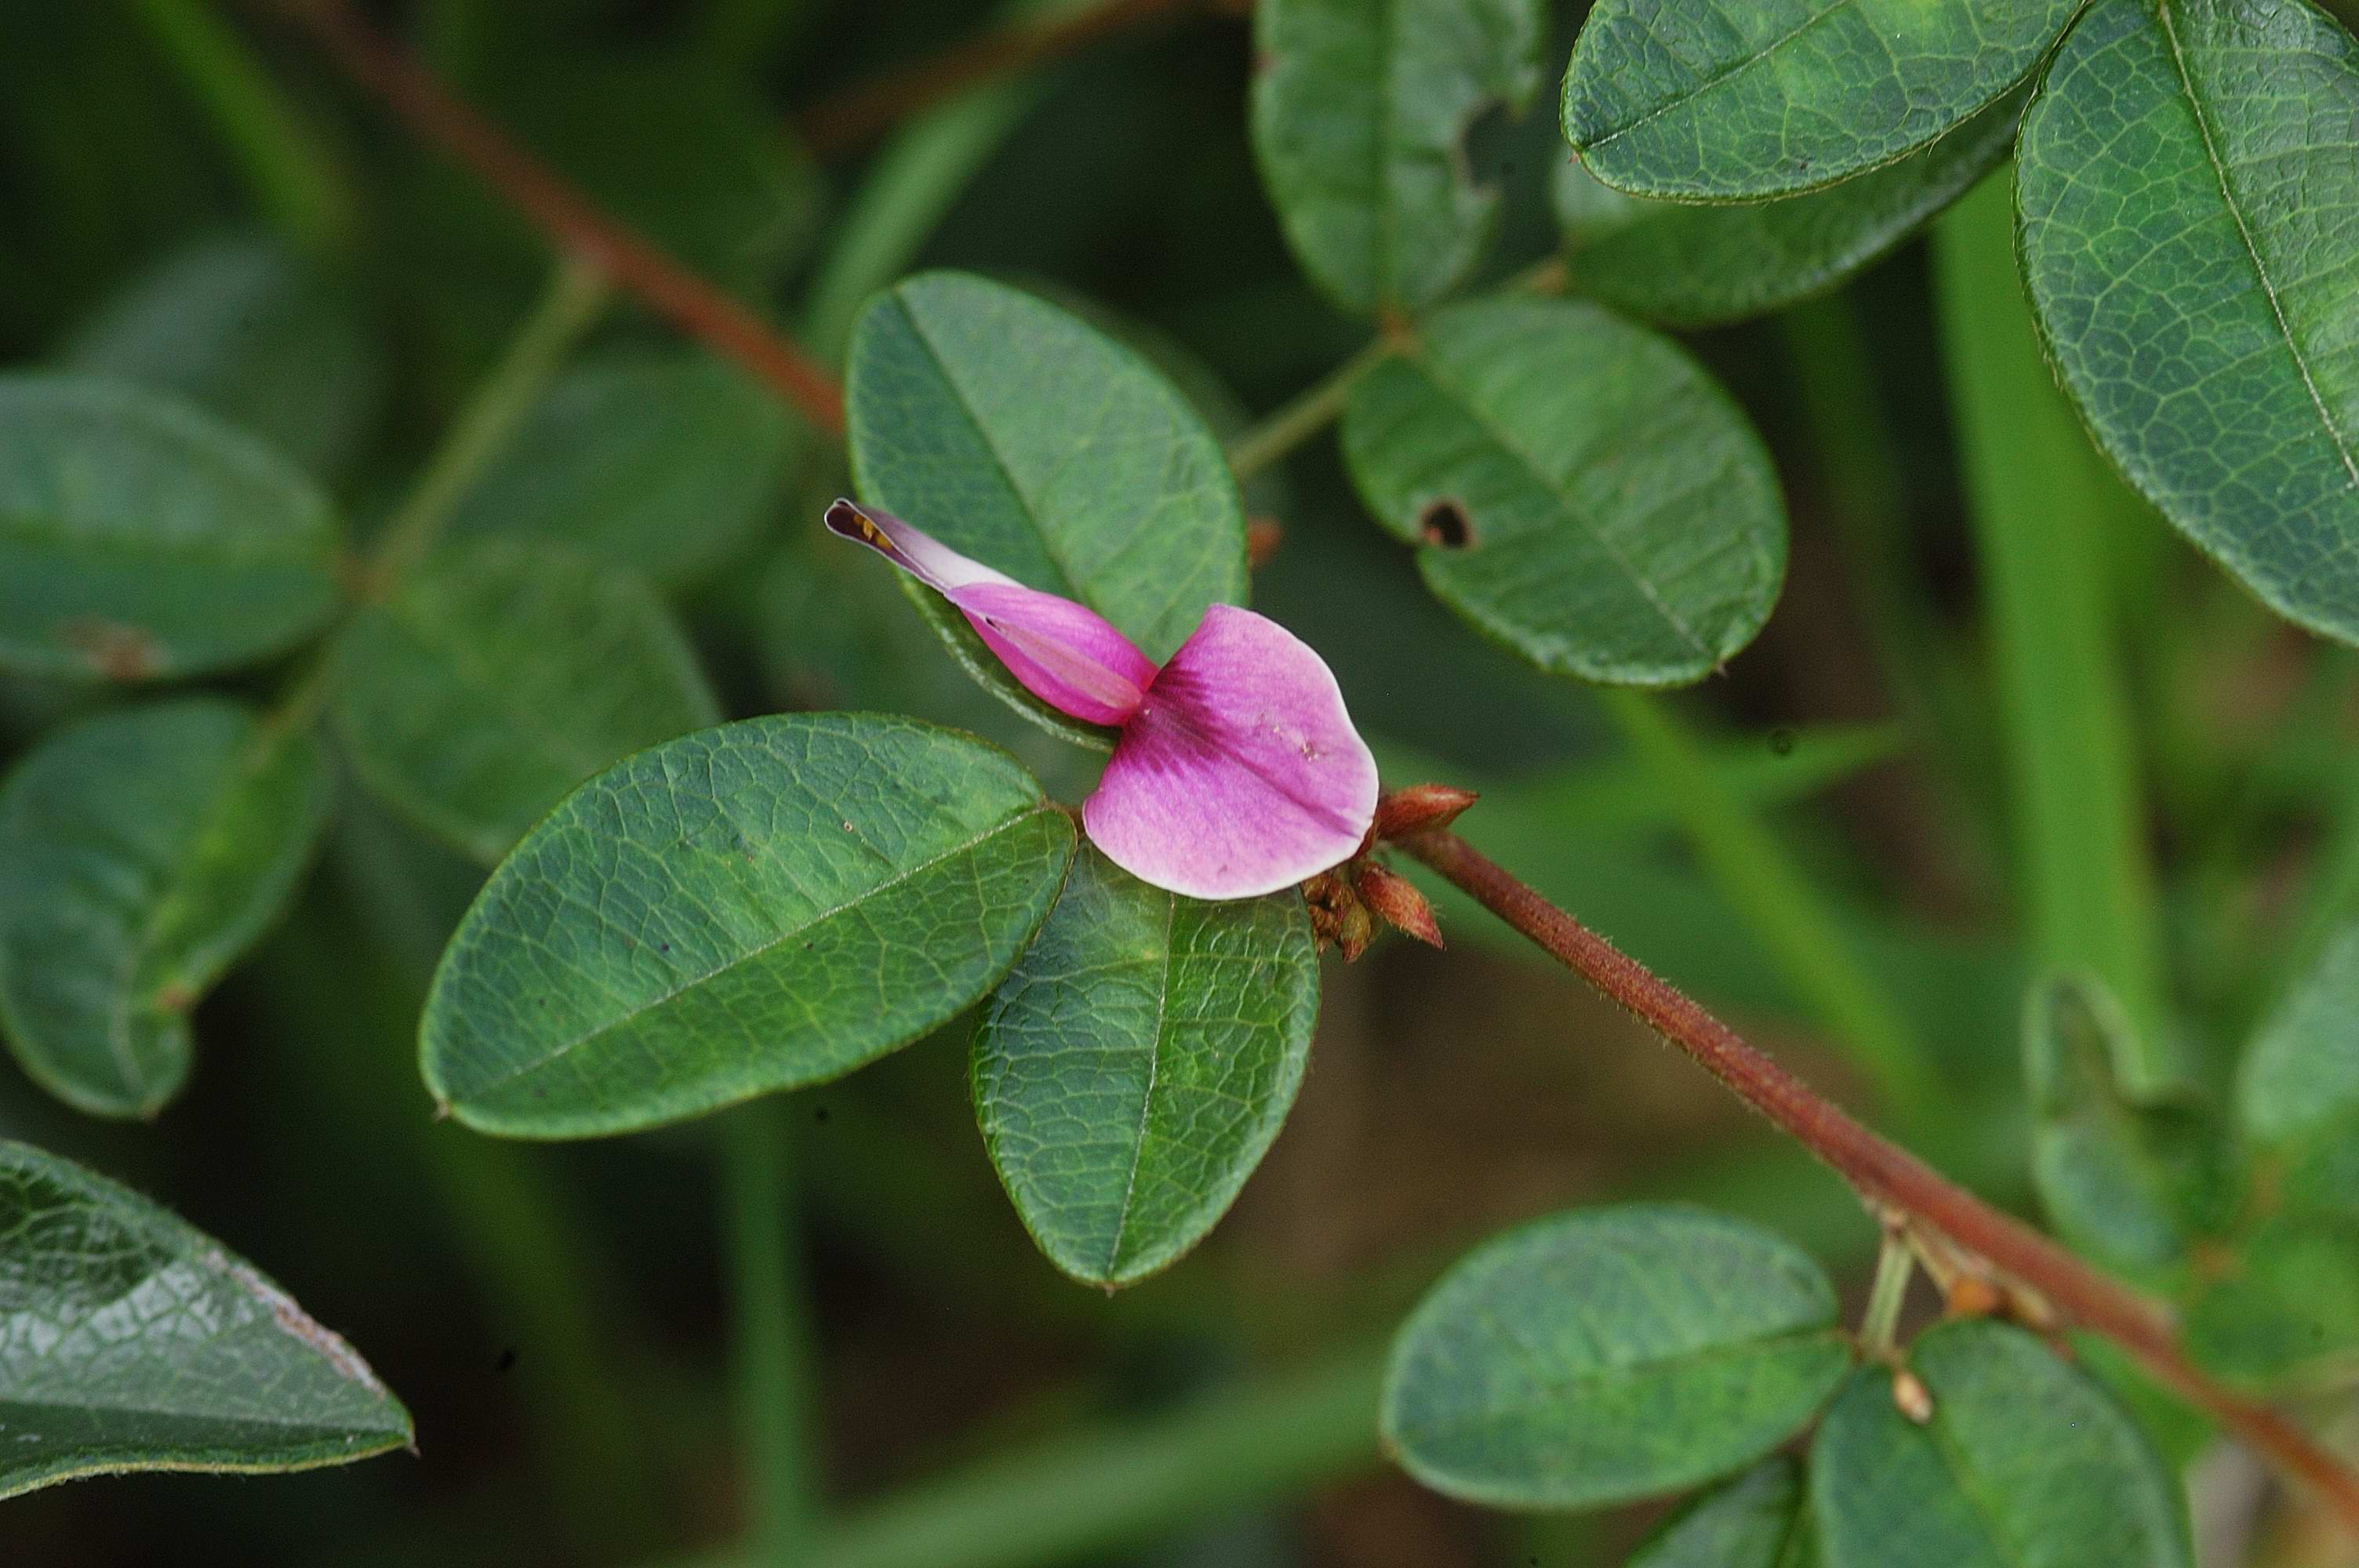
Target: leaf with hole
pixel 1583 492
pixel 141 538
pixel 1737 100
pixel 2188 186
pixel 500 674
pixel 2025 1459
pixel 1017 434
pixel 142 852
pixel 1601 1357
pixel 1136 1064
pixel 1688 265
pixel 1361 110
pixel 248 331
pixel 2131 1180
pixel 756 907
pixel 1757 1521
pixel 136 1342
pixel 663 464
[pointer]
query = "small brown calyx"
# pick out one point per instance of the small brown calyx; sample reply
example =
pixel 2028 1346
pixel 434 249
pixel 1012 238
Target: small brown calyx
pixel 1396 902
pixel 1420 808
pixel 1338 918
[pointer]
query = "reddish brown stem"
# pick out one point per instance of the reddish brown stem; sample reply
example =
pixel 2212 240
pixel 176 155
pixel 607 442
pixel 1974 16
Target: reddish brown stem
pixel 849 119
pixel 1889 1179
pixel 569 218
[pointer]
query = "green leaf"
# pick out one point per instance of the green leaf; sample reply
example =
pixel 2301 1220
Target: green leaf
pixel 246 330
pixel 1017 434
pixel 1733 100
pixel 1756 1521
pixel 1137 1061
pixel 1360 114
pixel 2300 1074
pixel 501 674
pixel 136 1342
pixel 140 538
pixel 142 851
pixel 2291 1304
pixel 2130 1182
pixel 2188 184
pixel 1584 492
pixel 1687 266
pixel 2026 1460
pixel 665 464
pixel 760 906
pixel 1596 1357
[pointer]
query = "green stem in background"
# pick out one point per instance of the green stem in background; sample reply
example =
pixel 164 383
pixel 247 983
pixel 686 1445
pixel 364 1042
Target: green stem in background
pixel 770 1336
pixel 281 152
pixel 1123 1485
pixel 1309 414
pixel 1778 903
pixel 2041 502
pixel 1879 1325
pixel 575 295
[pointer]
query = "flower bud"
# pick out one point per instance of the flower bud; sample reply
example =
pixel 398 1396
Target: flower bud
pixel 1420 808
pixel 1911 1397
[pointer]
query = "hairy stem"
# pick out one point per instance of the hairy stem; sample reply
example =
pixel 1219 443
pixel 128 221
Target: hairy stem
pixel 849 118
pixel 569 218
pixel 1892 1181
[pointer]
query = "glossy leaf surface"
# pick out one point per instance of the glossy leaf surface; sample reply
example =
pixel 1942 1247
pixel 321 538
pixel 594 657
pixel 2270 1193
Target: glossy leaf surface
pixel 500 675
pixel 1600 1357
pixel 2189 193
pixel 1734 100
pixel 1688 266
pixel 141 853
pixel 1361 110
pixel 1582 492
pixel 2026 1460
pixel 135 1341
pixel 140 538
pixel 1138 1061
pixel 756 907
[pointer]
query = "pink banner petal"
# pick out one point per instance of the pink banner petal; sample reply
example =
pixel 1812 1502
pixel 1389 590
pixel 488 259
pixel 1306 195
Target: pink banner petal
pixel 1065 654
pixel 1240 773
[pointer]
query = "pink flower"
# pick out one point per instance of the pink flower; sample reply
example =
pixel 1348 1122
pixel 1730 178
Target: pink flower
pixel 1237 773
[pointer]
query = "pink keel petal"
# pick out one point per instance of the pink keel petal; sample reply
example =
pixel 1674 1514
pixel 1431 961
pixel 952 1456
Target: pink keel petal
pixel 1064 653
pixel 1241 773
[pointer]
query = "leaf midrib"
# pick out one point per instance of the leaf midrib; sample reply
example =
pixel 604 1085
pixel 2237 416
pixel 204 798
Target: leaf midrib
pixel 752 954
pixel 2219 167
pixel 1733 68
pixel 1147 1100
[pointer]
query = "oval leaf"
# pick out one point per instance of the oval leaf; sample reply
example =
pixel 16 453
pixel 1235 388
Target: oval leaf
pixel 1757 1521
pixel 2301 1072
pixel 1136 1064
pixel 1360 114
pixel 245 329
pixel 136 1343
pixel 1596 1357
pixel 665 465
pixel 2290 1306
pixel 1688 266
pixel 140 538
pixel 1018 435
pixel 502 674
pixel 2130 1180
pixel 1586 494
pixel 141 853
pixel 2026 1460
pixel 2189 186
pixel 1733 100
pixel 756 907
